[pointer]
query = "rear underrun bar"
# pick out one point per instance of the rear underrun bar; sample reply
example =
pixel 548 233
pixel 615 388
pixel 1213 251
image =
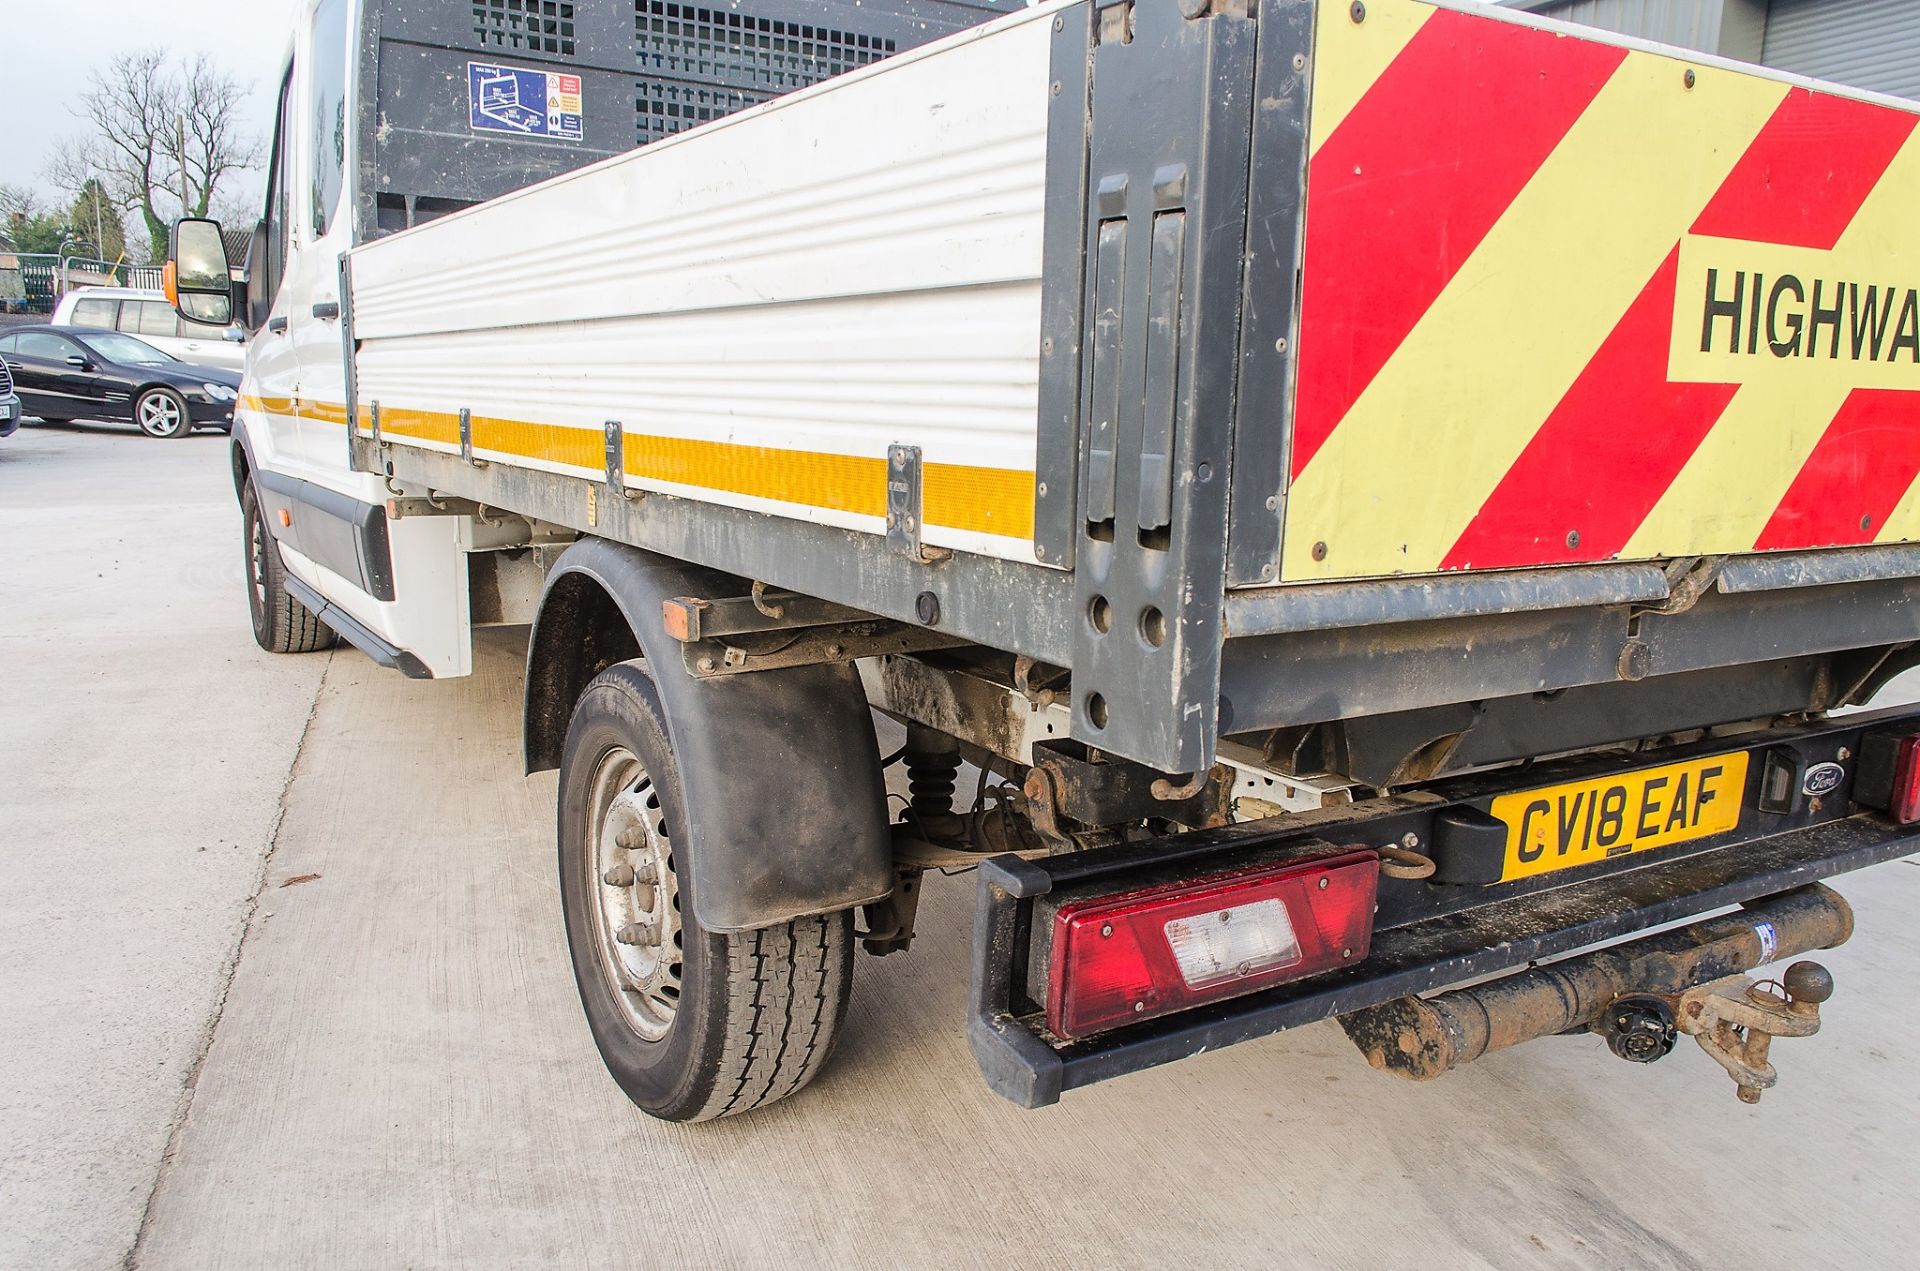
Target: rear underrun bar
pixel 1021 1062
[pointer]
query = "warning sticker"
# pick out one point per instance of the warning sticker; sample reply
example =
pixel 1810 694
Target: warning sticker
pixel 530 103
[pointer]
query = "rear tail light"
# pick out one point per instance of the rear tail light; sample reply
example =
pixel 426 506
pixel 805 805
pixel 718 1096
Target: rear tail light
pixel 1904 807
pixel 1889 775
pixel 1120 959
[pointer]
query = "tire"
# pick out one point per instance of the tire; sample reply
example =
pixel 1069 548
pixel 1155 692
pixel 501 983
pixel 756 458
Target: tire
pixel 281 624
pixel 692 1025
pixel 162 413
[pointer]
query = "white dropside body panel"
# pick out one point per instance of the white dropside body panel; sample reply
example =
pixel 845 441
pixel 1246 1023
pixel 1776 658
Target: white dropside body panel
pixel 765 303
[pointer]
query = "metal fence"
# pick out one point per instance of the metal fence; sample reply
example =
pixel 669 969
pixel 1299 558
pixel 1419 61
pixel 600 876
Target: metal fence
pixel 34 283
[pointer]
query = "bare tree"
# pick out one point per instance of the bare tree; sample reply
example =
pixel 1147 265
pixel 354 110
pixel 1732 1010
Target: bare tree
pixel 132 105
pixel 215 146
pixel 18 206
pixel 17 200
pixel 236 208
pixel 161 138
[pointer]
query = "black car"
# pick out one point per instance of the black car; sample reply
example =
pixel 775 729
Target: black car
pixel 64 373
pixel 9 404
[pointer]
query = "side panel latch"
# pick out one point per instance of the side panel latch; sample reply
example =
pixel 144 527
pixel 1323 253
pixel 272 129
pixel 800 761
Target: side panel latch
pixel 905 519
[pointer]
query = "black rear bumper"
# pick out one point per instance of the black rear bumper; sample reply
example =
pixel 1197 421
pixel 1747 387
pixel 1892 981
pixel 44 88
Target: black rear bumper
pixel 1498 928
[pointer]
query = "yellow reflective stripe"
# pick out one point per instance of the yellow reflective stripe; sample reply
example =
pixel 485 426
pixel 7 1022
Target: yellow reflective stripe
pixel 267 405
pixel 954 496
pixel 1488 362
pixel 323 412
pixel 421 425
pixel 1350 56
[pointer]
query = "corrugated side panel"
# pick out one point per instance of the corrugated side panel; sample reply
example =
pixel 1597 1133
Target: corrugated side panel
pixel 1568 301
pixel 766 303
pixel 1866 43
pixel 1689 24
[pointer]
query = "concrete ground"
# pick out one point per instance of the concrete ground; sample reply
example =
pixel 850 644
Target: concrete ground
pixel 207 1062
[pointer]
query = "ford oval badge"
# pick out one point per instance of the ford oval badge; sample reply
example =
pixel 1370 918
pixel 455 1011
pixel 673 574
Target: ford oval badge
pixel 1823 778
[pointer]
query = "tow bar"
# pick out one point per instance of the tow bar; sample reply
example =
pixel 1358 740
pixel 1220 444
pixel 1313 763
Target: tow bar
pixel 1638 996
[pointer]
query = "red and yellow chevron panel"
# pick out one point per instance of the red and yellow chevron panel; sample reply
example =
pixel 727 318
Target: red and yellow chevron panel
pixel 1566 301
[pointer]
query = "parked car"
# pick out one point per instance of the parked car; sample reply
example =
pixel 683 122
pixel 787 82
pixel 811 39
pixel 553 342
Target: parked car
pixel 64 373
pixel 147 314
pixel 9 403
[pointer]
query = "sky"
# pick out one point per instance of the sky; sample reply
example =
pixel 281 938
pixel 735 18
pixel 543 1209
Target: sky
pixel 49 51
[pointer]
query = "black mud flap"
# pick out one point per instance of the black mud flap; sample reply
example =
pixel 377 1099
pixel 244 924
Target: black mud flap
pixel 779 771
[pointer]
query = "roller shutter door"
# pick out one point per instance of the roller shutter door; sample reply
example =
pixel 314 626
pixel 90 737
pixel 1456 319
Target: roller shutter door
pixel 1866 43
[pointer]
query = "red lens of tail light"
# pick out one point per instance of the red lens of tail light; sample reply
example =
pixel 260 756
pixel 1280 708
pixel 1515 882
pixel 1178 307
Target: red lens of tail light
pixel 1888 776
pixel 1121 959
pixel 1904 807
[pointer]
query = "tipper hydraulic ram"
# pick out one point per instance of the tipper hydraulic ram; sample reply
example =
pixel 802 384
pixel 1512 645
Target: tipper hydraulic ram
pixel 1379 493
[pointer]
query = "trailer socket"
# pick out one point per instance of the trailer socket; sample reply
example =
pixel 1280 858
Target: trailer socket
pixel 1639 1028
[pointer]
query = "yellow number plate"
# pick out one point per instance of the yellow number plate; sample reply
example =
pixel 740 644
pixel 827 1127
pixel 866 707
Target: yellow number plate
pixel 1559 827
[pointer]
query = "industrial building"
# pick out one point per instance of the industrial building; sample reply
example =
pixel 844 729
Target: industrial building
pixel 1873 44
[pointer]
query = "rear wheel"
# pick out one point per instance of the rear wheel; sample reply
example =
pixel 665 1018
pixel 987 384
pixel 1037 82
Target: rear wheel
pixel 692 1024
pixel 161 412
pixel 281 624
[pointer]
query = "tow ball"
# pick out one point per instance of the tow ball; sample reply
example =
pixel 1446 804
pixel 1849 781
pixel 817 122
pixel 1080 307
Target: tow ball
pixel 1736 1019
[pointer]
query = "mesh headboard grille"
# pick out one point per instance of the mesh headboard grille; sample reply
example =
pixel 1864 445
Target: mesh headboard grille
pixel 525 26
pixel 724 60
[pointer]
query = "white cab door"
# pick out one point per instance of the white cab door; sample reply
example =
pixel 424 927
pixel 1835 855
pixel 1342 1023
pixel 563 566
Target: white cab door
pixel 426 611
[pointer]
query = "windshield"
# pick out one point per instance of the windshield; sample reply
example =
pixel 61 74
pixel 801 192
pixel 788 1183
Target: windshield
pixel 126 350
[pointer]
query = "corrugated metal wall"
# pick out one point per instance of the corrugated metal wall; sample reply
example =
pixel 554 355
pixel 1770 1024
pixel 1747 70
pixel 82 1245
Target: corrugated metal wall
pixel 1867 43
pixel 1691 24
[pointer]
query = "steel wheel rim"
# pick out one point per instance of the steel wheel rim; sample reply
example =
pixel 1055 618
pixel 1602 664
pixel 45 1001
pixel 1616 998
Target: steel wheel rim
pixel 633 893
pixel 159 415
pixel 257 564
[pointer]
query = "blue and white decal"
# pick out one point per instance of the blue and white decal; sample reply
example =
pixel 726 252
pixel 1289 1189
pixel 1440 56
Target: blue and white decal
pixel 527 103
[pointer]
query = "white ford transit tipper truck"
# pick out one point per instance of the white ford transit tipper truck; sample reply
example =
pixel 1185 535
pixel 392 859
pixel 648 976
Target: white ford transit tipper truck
pixel 1388 496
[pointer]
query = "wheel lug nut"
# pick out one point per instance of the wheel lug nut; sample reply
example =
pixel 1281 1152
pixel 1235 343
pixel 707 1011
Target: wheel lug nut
pixel 618 876
pixel 631 837
pixel 644 873
pixel 635 933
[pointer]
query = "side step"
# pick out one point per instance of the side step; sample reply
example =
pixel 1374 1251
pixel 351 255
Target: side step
pixel 357 633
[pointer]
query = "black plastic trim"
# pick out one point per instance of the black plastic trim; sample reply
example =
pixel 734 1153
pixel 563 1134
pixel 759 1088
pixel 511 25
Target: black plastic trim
pixel 349 537
pixel 358 634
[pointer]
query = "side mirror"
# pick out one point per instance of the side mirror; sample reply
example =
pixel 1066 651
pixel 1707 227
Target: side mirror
pixel 198 279
pixel 79 363
pixel 234 335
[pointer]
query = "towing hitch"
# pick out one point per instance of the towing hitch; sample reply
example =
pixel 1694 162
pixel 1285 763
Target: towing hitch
pixel 1735 1021
pixel 1636 995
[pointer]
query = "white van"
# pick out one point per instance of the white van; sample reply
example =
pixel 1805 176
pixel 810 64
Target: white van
pixel 148 315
